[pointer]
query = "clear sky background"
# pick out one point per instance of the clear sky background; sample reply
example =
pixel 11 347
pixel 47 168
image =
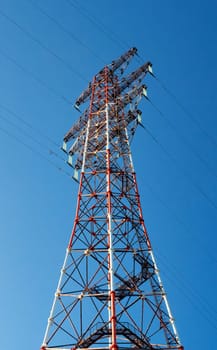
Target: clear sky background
pixel 49 51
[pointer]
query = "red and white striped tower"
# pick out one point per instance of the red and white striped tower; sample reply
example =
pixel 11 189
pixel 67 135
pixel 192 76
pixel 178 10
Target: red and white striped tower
pixel 109 295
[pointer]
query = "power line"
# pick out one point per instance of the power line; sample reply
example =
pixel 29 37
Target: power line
pixel 21 130
pixel 190 297
pixel 199 189
pixel 43 46
pixel 34 139
pixel 186 112
pixel 182 137
pixel 66 31
pixel 187 285
pixel 207 252
pixel 34 77
pixel 14 137
pixel 30 126
pixel 100 25
pixel 206 309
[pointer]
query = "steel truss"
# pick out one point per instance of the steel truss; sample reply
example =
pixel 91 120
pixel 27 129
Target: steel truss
pixel 110 295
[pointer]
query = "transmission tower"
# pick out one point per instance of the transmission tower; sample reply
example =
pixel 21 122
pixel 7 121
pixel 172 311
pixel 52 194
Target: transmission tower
pixel 109 295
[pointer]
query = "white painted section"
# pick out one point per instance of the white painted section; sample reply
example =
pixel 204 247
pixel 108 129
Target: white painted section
pixel 110 251
pixel 171 319
pixel 55 299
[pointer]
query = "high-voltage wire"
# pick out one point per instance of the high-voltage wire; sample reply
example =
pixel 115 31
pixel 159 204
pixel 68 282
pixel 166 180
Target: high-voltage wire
pixel 42 45
pixel 182 285
pixel 185 291
pixel 187 285
pixel 34 77
pixel 174 272
pixel 100 25
pixel 212 258
pixel 186 112
pixel 65 30
pixel 29 125
pixel 183 138
pixel 28 135
pixel 187 175
pixel 41 155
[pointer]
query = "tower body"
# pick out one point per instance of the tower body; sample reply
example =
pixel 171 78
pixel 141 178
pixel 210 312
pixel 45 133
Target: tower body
pixel 109 295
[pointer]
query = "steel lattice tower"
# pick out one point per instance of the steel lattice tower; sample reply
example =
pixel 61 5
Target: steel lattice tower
pixel 109 295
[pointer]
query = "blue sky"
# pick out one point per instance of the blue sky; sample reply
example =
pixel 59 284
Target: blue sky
pixel 49 51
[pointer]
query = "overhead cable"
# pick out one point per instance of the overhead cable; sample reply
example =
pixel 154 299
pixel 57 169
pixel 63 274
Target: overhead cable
pixel 35 77
pixel 66 31
pixel 43 46
pixel 190 179
pixel 17 139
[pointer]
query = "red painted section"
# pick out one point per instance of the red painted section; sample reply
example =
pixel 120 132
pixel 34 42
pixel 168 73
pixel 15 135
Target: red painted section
pixel 113 321
pixel 82 175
